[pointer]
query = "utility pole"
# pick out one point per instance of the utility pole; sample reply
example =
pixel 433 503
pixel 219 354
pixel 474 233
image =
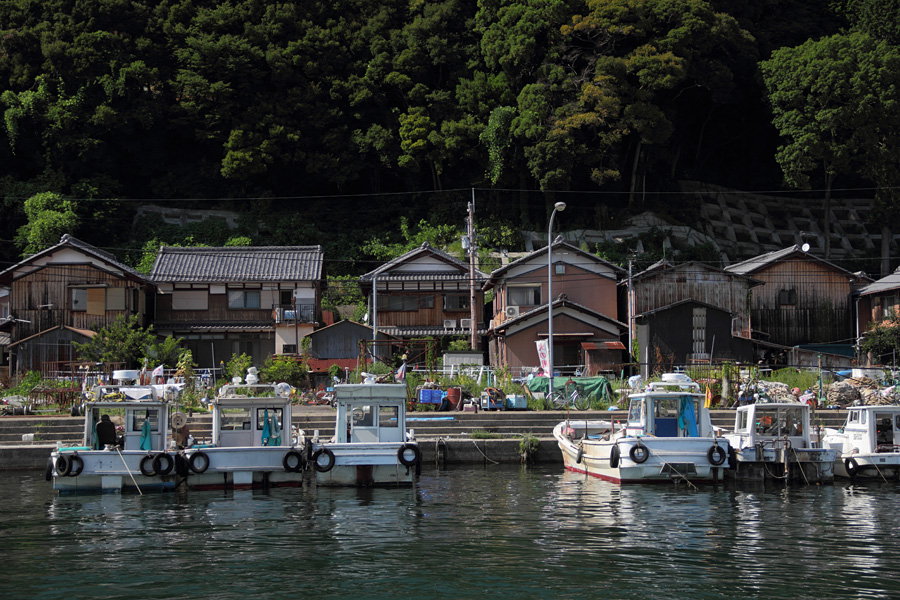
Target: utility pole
pixel 630 310
pixel 473 326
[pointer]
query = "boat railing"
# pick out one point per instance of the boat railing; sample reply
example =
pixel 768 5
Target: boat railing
pixel 247 390
pixel 689 386
pixel 119 393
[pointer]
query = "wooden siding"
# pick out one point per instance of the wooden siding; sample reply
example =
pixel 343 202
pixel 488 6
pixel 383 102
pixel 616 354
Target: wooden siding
pixel 428 317
pixel 217 310
pixel 708 287
pixel 822 312
pixel 51 287
pixel 52 347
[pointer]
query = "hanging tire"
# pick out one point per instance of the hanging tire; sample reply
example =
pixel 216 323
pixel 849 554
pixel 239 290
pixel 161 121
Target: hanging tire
pixel 76 465
pixel 146 466
pixel 614 455
pixel 580 455
pixel 292 461
pixel 182 468
pixel 639 453
pixel 401 455
pixel 63 465
pixel 852 467
pixel 716 455
pixel 163 463
pixel 199 462
pixel 328 454
pixel 732 458
pixel 48 472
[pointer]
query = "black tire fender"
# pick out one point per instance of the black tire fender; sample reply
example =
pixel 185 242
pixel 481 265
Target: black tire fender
pixel 146 466
pixel 716 455
pixel 401 455
pixel 199 457
pixel 293 461
pixel 48 472
pixel 639 453
pixel 63 465
pixel 580 455
pixel 77 465
pixel 732 458
pixel 163 463
pixel 614 455
pixel 328 465
pixel 852 467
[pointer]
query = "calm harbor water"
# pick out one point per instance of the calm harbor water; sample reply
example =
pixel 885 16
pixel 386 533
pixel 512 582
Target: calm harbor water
pixel 500 532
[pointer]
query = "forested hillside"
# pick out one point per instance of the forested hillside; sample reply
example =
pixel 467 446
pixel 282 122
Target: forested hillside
pixel 326 122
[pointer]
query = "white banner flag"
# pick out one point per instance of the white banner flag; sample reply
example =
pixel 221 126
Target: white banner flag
pixel 543 356
pixel 157 372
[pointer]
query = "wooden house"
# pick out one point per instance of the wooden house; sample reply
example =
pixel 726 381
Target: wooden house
pixel 425 293
pixel 878 302
pixel 345 344
pixel 586 333
pixel 60 294
pixel 257 301
pixel 803 300
pixel 687 312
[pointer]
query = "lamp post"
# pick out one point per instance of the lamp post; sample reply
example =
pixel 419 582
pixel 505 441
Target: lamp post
pixel 558 207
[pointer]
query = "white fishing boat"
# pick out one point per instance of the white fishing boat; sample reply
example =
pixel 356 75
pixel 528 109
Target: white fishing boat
pixel 371 445
pixel 125 445
pixel 667 436
pixel 250 445
pixel 774 441
pixel 868 446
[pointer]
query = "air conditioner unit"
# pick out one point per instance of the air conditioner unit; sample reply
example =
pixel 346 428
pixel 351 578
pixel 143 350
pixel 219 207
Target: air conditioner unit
pixel 512 312
pixel 465 323
pixel 449 323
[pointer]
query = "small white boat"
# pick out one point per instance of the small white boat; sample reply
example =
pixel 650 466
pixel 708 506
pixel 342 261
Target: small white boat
pixel 250 446
pixel 773 441
pixel 371 445
pixel 124 445
pixel 668 436
pixel 868 446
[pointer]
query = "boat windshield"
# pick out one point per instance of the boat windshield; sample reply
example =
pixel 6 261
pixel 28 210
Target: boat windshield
pixel 139 416
pixel 636 412
pixel 779 421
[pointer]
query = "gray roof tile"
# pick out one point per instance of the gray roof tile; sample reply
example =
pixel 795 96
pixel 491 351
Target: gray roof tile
pixel 243 264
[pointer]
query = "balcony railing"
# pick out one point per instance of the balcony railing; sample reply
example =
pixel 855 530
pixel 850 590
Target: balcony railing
pixel 301 313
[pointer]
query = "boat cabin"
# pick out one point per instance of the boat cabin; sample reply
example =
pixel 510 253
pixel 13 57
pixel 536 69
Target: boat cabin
pixel 872 429
pixel 246 416
pixel 670 408
pixel 118 415
pixel 770 421
pixel 369 413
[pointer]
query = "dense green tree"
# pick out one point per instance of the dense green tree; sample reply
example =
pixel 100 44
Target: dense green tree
pixel 49 217
pixel 834 102
pixel 122 342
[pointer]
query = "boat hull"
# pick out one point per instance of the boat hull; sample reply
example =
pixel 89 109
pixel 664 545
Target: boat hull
pixel 366 464
pixel 109 471
pixel 876 466
pixel 803 465
pixel 245 467
pixel 668 459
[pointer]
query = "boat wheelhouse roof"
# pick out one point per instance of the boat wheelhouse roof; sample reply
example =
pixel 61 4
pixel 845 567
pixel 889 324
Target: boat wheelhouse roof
pixel 367 393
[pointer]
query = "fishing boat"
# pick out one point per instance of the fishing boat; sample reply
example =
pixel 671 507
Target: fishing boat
pixel 774 441
pixel 371 445
pixel 868 446
pixel 668 436
pixel 250 447
pixel 125 445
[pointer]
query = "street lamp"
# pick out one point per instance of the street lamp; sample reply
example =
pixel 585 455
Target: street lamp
pixel 558 207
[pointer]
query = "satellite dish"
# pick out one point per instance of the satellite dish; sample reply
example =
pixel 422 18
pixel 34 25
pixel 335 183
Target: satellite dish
pixel 805 247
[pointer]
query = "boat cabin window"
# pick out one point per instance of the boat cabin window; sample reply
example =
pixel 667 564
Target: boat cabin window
pixel 387 416
pixel 274 413
pixel 778 422
pixel 743 421
pixel 235 418
pixel 362 416
pixel 636 411
pixel 139 416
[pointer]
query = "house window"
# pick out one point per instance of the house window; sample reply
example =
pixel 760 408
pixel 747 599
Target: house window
pixel 399 303
pixel 523 295
pixel 787 297
pixel 115 299
pixel 190 300
pixel 243 299
pixel 289 349
pixel 456 302
pixel 79 300
pixel 286 298
pixel 4 311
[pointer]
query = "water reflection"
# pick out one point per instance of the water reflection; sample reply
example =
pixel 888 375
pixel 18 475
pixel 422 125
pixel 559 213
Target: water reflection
pixel 460 533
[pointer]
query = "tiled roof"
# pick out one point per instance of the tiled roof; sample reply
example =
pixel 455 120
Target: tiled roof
pixel 244 264
pixel 757 263
pixel 214 326
pixel 560 302
pixel 405 332
pixel 885 284
pixel 68 241
pixel 387 272
pixel 497 274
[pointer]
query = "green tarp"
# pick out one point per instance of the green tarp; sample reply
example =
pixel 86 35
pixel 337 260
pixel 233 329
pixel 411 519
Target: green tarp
pixel 595 387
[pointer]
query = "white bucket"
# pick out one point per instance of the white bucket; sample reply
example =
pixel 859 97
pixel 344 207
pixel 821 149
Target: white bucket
pixel 27 437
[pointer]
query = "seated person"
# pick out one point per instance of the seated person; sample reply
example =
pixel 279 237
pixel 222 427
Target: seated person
pixel 106 432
